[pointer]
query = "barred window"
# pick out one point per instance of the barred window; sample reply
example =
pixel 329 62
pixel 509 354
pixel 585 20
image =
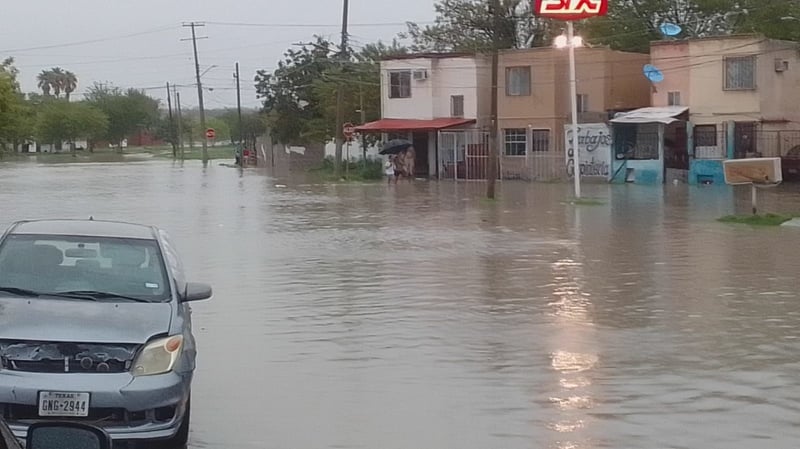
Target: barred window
pixel 705 136
pixel 400 84
pixel 583 103
pixel 540 140
pixel 515 141
pixel 740 73
pixel 456 105
pixel 674 98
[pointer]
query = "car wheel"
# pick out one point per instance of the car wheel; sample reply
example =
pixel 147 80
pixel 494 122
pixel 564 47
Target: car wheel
pixel 182 437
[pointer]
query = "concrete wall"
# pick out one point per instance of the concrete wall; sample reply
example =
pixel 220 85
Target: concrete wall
pixel 672 58
pixel 469 76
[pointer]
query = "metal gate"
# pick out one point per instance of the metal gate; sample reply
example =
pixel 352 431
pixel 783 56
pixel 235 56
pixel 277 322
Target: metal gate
pixel 464 155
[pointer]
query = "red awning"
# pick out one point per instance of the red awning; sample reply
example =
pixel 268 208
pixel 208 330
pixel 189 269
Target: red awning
pixel 399 124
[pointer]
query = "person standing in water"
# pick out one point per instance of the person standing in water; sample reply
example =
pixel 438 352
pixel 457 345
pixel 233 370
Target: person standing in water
pixel 388 170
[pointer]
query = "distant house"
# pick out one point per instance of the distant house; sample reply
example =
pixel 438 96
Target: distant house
pixel 534 104
pixel 741 95
pixel 432 100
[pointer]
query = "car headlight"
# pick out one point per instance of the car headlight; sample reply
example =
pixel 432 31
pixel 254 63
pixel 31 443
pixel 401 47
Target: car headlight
pixel 158 356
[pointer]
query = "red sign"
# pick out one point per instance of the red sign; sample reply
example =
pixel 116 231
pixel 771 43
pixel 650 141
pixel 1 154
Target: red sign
pixel 570 9
pixel 349 130
pixel 210 133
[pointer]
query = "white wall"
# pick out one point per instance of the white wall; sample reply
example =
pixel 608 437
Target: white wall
pixel 420 105
pixel 455 76
pixel 431 98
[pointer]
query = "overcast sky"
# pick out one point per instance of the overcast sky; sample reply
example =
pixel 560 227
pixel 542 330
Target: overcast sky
pixel 137 43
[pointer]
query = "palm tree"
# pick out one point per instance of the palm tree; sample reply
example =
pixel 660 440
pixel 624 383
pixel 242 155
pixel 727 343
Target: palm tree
pixel 70 83
pixel 58 80
pixel 45 82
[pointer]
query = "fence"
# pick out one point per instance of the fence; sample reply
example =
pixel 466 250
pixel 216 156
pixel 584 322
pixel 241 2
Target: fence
pixel 464 155
pixel 759 143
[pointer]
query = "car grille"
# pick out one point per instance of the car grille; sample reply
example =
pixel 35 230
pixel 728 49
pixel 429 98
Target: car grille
pixel 59 366
pixel 56 357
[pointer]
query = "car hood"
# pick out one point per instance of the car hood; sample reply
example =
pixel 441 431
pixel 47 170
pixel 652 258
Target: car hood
pixel 82 321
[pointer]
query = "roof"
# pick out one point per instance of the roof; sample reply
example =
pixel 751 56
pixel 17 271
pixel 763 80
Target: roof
pixel 398 124
pixel 93 228
pixel 428 56
pixel 665 115
pixel 757 37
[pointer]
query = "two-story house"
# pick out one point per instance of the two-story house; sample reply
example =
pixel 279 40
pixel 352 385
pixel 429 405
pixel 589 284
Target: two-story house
pixel 424 95
pixel 742 94
pixel 534 103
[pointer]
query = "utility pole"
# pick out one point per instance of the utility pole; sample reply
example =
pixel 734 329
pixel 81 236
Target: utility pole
pixel 491 176
pixel 239 110
pixel 204 140
pixel 180 121
pixel 343 55
pixel 363 121
pixel 171 124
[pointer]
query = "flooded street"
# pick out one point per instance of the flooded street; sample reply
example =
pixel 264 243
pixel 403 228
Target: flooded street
pixel 421 316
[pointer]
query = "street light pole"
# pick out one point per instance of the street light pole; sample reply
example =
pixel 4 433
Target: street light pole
pixel 573 91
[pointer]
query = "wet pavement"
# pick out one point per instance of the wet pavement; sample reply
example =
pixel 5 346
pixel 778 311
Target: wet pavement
pixel 420 316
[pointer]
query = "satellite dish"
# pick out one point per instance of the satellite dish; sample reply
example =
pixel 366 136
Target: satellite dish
pixel 670 29
pixel 653 74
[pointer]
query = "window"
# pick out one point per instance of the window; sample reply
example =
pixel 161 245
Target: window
pixel 583 103
pixel 516 141
pixel 740 73
pixel 518 81
pixel 58 264
pixel 457 106
pixel 400 84
pixel 541 140
pixel 674 99
pixel 705 136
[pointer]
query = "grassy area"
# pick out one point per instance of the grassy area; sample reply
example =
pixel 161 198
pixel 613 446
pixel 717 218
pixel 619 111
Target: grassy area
pixel 226 152
pixel 356 172
pixel 757 220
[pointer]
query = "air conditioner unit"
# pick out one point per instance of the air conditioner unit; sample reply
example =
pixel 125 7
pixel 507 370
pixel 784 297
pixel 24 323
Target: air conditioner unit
pixel 781 65
pixel 420 75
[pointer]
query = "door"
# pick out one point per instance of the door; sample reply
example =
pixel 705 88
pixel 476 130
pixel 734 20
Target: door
pixel 420 142
pixel 744 135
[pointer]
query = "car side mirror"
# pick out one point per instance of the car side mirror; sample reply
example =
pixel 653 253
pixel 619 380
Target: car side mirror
pixel 67 435
pixel 196 291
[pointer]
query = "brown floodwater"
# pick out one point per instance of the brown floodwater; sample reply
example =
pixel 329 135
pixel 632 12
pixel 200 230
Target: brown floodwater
pixel 421 316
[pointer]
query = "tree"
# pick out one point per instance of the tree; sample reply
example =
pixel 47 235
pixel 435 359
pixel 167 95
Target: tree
pixel 632 24
pixel 300 95
pixel 128 111
pixel 15 114
pixel 469 26
pixel 62 121
pixel 254 124
pixel 221 129
pixel 57 80
pixel 288 98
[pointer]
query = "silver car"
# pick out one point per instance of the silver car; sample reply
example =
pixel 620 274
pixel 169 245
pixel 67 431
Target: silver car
pixel 95 327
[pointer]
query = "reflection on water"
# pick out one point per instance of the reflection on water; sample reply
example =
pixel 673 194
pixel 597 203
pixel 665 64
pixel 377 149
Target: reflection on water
pixel 419 316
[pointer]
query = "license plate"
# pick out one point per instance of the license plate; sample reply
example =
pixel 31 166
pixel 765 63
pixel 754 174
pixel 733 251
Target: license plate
pixel 54 403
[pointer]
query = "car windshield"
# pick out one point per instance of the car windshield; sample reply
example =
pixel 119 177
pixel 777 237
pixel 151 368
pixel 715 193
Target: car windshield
pixel 102 268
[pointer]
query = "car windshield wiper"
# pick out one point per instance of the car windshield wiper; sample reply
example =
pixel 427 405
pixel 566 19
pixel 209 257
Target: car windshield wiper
pixel 96 295
pixel 20 291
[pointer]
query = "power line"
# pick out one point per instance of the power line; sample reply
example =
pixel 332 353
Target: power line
pixel 313 25
pixel 91 41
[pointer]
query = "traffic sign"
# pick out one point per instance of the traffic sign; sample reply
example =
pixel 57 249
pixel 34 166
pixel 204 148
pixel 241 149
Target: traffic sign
pixel 210 133
pixel 349 130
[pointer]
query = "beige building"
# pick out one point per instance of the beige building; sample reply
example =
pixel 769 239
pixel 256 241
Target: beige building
pixel 742 94
pixel 534 102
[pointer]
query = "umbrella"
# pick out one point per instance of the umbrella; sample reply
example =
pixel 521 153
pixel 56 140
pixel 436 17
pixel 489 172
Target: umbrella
pixel 395 146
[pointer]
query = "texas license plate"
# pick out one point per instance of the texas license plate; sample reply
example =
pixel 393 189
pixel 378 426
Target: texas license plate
pixel 54 403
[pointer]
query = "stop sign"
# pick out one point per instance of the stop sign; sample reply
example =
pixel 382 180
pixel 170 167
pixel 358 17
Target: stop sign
pixel 210 133
pixel 348 130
